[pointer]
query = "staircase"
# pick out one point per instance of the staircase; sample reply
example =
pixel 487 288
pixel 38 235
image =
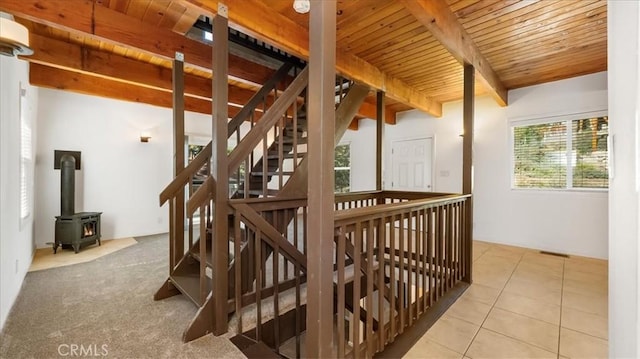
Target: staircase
pixel 268 161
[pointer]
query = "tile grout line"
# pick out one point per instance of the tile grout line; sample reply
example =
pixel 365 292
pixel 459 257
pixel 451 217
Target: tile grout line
pixel 493 305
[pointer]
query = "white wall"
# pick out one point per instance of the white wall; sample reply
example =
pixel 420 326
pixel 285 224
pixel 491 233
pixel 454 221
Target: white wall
pixel 120 176
pixel 623 35
pixel 363 155
pixel 16 240
pixel 573 222
pixel 445 132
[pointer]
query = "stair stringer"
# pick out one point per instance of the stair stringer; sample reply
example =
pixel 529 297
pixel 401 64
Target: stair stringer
pixel 296 187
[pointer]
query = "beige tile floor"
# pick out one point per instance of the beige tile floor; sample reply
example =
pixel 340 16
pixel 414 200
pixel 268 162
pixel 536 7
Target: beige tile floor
pixel 524 304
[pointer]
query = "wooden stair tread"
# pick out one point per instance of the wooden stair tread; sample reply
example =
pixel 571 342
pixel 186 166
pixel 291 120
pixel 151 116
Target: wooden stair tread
pixel 349 274
pixel 188 283
pixel 253 349
pixel 272 173
pixel 286 155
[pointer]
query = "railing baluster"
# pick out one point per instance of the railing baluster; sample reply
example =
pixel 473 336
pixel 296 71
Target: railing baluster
pixel 298 311
pixel 172 236
pixel 430 245
pixel 418 268
pixel 287 214
pixel 203 258
pixel 401 281
pixel 275 260
pixel 259 284
pixel 410 253
pixel 341 291
pixel 237 259
pixel 425 269
pixel 438 249
pixel 392 282
pixel 450 245
pixel 304 235
pixel 382 242
pixel 265 167
pixel 463 225
pixel 370 279
pixel 355 328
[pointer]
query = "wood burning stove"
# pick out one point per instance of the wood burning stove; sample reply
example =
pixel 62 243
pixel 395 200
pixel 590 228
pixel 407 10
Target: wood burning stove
pixel 77 230
pixel 73 230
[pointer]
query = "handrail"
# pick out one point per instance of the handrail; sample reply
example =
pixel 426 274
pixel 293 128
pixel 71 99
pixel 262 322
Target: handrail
pixel 185 175
pixel 271 233
pixel 273 114
pixel 270 203
pixel 354 213
pixel 206 191
pixel 250 106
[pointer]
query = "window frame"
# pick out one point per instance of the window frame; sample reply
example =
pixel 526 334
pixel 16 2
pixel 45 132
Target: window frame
pixel 25 163
pixel 346 143
pixel 545 119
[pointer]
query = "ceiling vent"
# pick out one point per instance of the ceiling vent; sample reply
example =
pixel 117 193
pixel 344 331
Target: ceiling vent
pixel 14 38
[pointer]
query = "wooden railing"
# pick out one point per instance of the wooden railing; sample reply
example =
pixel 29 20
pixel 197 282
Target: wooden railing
pixel 394 261
pixel 372 198
pixel 201 196
pixel 260 154
pixel 274 231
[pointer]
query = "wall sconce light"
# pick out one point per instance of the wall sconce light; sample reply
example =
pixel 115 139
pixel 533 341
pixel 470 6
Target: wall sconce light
pixel 145 136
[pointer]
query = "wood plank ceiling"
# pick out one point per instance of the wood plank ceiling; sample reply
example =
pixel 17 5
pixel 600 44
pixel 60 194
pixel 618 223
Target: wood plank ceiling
pixel 522 42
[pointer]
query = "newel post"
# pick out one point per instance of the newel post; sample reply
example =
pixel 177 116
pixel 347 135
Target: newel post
pixel 467 166
pixel 321 114
pixel 220 169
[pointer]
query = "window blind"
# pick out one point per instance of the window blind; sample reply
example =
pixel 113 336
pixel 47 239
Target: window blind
pixel 26 158
pixel 561 154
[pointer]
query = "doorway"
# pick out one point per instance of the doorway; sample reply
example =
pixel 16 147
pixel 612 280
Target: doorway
pixel 412 165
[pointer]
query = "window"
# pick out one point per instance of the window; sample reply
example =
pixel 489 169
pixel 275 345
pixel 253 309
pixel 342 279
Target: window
pixel 26 158
pixel 567 154
pixel 342 166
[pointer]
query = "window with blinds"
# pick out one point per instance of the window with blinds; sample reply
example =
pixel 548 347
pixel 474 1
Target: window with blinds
pixel 342 167
pixel 561 154
pixel 26 158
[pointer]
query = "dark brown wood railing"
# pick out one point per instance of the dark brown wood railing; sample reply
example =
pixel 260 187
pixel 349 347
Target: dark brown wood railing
pixel 393 262
pixel 409 254
pixel 201 196
pixel 274 231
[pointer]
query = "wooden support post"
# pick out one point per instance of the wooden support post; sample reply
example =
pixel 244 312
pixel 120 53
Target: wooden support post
pixel 380 114
pixel 467 165
pixel 320 231
pixel 219 168
pixel 178 157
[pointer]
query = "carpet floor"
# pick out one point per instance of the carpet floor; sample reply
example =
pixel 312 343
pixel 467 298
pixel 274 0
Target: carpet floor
pixel 105 308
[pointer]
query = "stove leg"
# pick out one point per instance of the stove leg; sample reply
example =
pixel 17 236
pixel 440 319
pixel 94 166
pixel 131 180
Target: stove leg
pixel 76 248
pixel 55 248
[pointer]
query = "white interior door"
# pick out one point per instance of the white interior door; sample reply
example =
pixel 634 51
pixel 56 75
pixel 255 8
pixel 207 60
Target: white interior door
pixel 411 164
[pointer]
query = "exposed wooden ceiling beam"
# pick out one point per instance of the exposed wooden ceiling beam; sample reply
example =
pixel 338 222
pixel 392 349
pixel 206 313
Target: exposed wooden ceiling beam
pixel 77 58
pixel 55 78
pixel 257 19
pixel 443 24
pixel 101 23
pixel 368 110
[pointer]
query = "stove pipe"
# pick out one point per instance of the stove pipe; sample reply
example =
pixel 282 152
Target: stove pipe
pixel 67 185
